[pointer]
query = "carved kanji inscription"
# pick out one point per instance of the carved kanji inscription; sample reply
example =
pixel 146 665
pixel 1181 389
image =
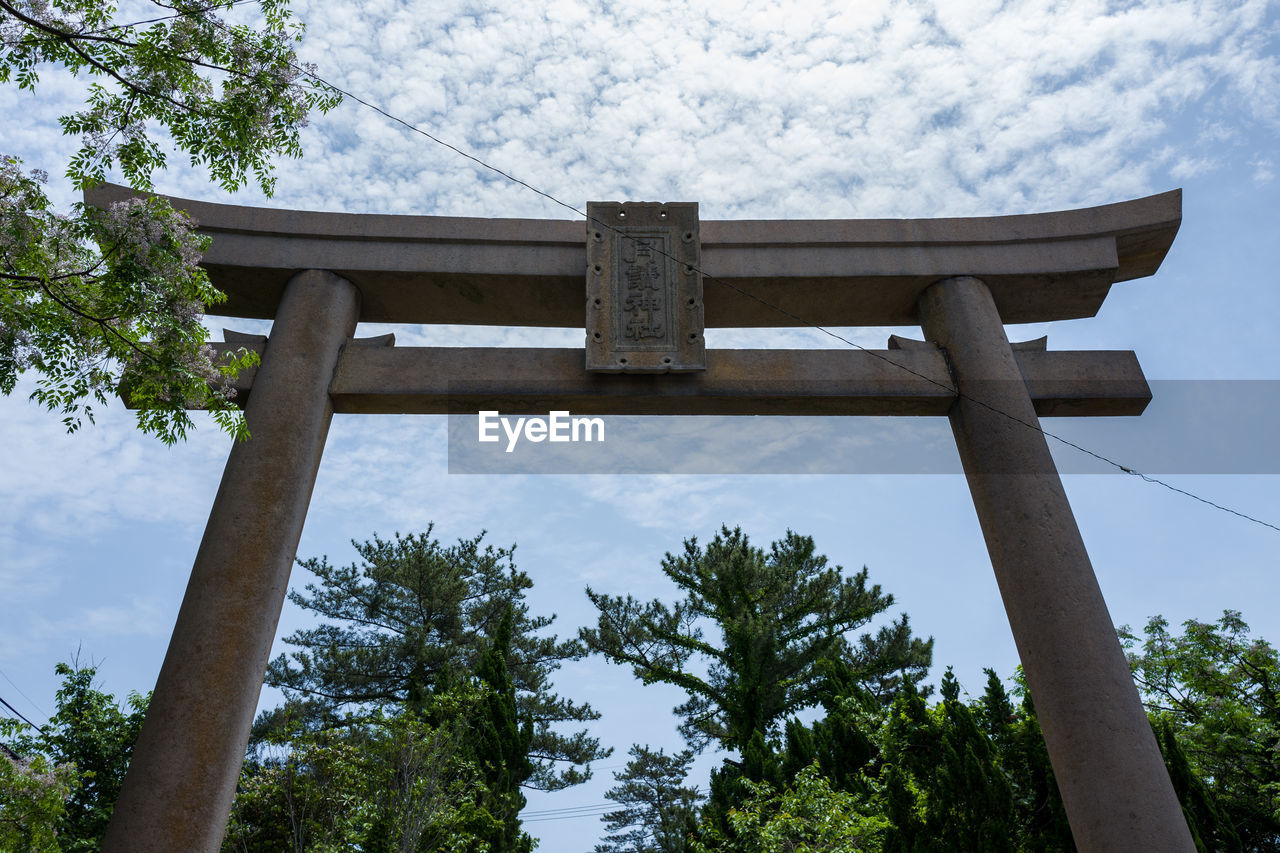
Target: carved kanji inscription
pixel 644 288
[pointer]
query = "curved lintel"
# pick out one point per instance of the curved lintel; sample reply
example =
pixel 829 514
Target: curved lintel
pixel 841 272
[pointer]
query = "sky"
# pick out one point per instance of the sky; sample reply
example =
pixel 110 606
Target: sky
pixel 756 111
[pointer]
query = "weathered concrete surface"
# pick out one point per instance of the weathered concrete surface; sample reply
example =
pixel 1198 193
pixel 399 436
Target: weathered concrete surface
pixel 181 781
pixel 463 380
pixel 1113 781
pixel 432 269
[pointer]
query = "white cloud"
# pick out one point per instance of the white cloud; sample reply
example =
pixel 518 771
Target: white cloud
pixel 755 110
pixel 1263 170
pixel 886 109
pixel 107 472
pixel 24 576
pixel 66 628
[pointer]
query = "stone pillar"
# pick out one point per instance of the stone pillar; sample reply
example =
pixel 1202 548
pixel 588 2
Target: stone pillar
pixel 1113 780
pixel 178 791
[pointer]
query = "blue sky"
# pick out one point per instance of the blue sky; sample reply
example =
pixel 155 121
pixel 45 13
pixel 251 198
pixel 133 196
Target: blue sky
pixel 807 110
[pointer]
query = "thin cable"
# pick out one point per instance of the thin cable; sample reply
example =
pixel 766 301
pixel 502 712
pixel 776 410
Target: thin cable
pixel 23 695
pixel 1196 497
pixel 541 812
pixel 440 141
pixel 802 321
pixel 568 816
pixel 962 396
pixel 20 715
pixel 186 14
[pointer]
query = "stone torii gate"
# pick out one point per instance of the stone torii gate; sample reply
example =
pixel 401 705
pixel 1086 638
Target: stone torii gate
pixel 961 280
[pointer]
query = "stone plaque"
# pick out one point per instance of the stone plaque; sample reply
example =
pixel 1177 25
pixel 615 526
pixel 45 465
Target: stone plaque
pixel 644 288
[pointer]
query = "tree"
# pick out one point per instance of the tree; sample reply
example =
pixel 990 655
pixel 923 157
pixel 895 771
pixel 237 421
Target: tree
pixel 807 816
pixel 1217 689
pixel 658 814
pixel 414 616
pixel 943 788
pixel 33 796
pixel 385 783
pixel 1211 830
pixel 1015 735
pixel 86 745
pixel 502 738
pixel 843 742
pixel 95 299
pixel 778 616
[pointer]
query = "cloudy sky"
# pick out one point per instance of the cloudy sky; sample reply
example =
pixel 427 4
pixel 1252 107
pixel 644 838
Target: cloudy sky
pixel 763 111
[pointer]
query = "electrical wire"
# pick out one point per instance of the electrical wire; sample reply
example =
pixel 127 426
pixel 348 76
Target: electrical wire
pixel 20 693
pixel 541 812
pixel 569 813
pixel 802 321
pixel 185 14
pixel 564 817
pixel 20 715
pixel 796 318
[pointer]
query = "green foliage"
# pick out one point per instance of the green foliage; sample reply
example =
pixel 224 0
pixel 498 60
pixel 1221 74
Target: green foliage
pixel 99 299
pixel 957 774
pixel 1215 689
pixel 409 617
pixel 86 746
pixel 954 775
pixel 90 732
pixel 781 623
pixel 1040 818
pixel 807 816
pixel 842 742
pixel 658 814
pixel 160 74
pixel 383 783
pixel 501 740
pixel 944 790
pixel 33 795
pixel 1211 830
pixel 777 617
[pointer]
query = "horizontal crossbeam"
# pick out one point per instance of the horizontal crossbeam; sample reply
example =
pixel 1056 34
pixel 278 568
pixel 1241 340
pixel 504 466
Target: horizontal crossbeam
pixel 464 380
pixel 839 272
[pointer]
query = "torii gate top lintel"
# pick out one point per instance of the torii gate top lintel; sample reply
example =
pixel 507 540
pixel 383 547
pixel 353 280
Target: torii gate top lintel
pixel 529 272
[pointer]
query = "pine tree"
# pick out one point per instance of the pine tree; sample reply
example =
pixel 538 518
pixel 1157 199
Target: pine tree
pixel 842 742
pixel 779 619
pixel 658 814
pixel 411 613
pixel 778 616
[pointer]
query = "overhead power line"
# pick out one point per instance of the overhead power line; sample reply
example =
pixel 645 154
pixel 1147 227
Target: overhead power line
pixel 542 812
pixel 798 319
pixel 20 715
pixel 20 693
pixel 801 320
pixel 184 14
pixel 567 815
